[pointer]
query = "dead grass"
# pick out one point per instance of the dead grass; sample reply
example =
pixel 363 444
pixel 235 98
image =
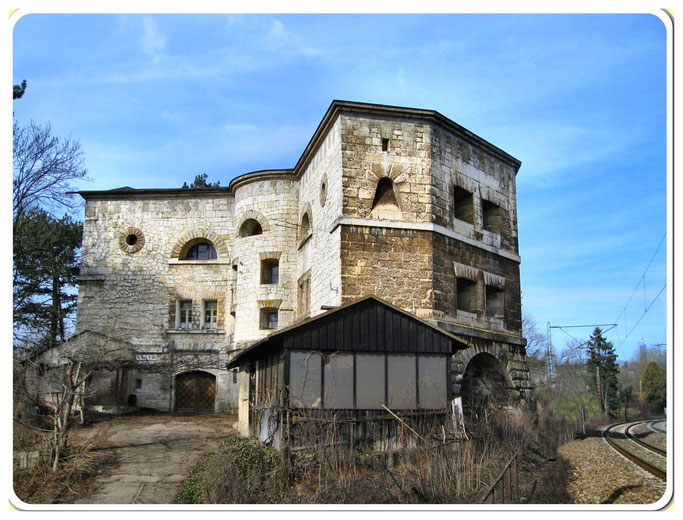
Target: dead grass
pixel 40 485
pixel 425 470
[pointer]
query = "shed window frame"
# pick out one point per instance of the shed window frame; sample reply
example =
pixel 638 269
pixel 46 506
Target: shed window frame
pixel 364 375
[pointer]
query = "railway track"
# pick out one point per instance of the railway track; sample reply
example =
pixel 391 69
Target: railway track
pixel 651 458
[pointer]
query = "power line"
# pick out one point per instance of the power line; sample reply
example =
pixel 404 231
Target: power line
pixel 645 305
pixel 644 313
pixel 642 278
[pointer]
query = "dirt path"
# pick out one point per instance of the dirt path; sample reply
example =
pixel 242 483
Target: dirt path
pixel 154 454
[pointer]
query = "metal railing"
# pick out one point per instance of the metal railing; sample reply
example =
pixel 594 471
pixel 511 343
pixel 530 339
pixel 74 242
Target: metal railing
pixel 505 489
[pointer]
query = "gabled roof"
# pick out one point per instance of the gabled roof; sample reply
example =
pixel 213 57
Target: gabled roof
pixel 367 324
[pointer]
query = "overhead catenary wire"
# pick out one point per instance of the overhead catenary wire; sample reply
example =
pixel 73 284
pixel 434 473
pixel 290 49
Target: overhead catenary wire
pixel 646 307
pixel 642 278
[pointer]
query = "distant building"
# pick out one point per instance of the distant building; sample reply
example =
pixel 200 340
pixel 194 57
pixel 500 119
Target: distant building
pixel 399 203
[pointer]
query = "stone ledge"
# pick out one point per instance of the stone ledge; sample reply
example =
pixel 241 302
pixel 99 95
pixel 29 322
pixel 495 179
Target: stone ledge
pixel 175 261
pixel 208 332
pixel 481 333
pixel 422 226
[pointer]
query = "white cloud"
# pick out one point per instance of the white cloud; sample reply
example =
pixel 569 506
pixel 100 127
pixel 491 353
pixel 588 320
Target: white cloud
pixel 153 41
pixel 280 38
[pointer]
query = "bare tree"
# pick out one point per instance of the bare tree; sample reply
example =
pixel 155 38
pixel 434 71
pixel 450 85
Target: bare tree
pixel 536 345
pixel 45 167
pixel 59 380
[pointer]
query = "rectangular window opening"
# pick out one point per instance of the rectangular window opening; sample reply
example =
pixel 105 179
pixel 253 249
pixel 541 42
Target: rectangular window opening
pixel 491 216
pixel 463 205
pixel 185 314
pixel 138 384
pixel 268 319
pixel 494 301
pixel 270 271
pixel 210 314
pixel 466 295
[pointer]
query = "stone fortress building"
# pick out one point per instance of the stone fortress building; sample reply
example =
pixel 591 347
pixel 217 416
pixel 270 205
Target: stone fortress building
pixel 400 203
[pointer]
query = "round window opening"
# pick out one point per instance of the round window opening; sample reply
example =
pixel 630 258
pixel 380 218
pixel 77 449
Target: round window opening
pixel 131 240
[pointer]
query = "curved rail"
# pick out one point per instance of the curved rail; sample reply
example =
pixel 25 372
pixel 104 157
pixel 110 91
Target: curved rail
pixel 642 443
pixel 655 428
pixel 630 456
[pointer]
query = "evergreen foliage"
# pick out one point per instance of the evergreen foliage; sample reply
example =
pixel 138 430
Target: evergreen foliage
pixel 19 90
pixel 44 275
pixel 200 182
pixel 603 372
pixel 654 387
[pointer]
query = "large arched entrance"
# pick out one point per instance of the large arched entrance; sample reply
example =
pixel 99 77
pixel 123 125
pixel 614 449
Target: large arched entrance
pixel 195 392
pixel 484 386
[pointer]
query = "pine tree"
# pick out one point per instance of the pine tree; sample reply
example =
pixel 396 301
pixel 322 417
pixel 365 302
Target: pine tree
pixel 603 372
pixel 200 182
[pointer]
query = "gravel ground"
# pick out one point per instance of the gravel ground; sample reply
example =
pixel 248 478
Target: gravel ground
pixel 599 475
pixel 658 440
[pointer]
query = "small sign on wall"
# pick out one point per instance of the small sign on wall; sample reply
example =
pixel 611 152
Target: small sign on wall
pixel 146 358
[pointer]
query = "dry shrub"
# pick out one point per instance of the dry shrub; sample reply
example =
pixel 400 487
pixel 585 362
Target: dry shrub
pixel 72 481
pixel 421 468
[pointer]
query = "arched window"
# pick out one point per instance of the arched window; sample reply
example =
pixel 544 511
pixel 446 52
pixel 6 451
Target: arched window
pixel 250 227
pixel 305 226
pixel 384 195
pixel 201 251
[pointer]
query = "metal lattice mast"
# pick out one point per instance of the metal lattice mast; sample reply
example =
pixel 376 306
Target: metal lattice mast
pixel 550 357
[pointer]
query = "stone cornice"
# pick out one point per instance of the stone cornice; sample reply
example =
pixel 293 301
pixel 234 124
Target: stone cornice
pixel 153 193
pixel 471 332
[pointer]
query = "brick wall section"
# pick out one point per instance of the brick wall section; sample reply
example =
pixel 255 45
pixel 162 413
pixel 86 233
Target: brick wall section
pixel 392 264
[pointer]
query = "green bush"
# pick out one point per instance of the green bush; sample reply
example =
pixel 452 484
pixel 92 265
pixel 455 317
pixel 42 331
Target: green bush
pixel 242 472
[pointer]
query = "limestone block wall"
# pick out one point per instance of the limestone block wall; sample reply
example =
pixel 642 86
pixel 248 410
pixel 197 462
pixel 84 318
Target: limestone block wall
pixel 130 292
pixel 447 251
pixel 274 204
pixel 406 162
pixel 320 193
pixel 392 264
pixel 127 294
pixel 512 362
pixel 458 163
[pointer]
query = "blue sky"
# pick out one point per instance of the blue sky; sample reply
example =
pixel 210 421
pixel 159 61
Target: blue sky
pixel 579 99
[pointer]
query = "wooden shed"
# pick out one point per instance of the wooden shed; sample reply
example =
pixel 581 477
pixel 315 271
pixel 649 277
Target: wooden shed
pixel 346 376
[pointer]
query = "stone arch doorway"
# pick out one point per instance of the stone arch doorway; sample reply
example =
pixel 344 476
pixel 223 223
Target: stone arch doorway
pixel 195 392
pixel 485 385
